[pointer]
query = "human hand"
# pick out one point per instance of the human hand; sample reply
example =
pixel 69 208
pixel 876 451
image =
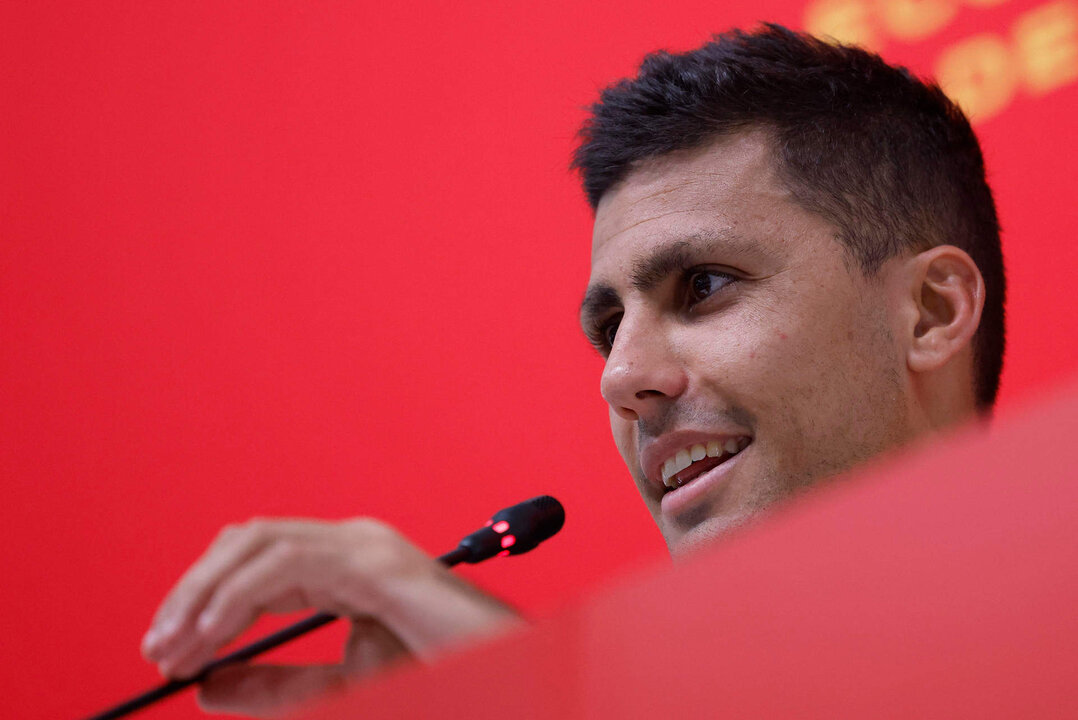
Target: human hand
pixel 402 603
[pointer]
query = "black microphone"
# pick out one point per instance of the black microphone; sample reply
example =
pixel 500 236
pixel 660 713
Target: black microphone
pixel 512 531
pixel 515 530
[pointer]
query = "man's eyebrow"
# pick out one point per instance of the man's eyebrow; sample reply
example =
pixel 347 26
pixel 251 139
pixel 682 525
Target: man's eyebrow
pixel 651 269
pixel 598 299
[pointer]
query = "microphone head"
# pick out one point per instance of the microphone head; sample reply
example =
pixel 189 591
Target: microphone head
pixel 531 522
pixel 516 529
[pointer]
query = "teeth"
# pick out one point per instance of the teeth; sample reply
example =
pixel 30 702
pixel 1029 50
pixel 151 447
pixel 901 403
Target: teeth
pixel 682 460
pixel 686 457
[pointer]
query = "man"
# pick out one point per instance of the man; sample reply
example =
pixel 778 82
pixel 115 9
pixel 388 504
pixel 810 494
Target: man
pixel 795 267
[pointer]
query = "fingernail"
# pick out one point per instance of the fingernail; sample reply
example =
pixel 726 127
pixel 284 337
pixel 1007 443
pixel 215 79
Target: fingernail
pixel 160 633
pixel 168 626
pixel 206 620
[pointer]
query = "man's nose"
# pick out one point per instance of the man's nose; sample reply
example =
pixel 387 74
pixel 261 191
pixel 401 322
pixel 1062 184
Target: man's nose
pixel 643 370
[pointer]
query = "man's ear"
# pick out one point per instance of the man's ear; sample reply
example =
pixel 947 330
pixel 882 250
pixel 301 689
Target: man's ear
pixel 948 296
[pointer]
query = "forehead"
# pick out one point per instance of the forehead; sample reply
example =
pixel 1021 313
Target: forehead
pixel 726 190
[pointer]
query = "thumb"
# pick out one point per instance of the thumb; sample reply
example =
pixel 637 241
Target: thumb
pixel 267 691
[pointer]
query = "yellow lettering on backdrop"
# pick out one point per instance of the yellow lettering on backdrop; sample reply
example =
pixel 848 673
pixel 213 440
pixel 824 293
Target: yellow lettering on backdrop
pixel 1046 40
pixel 982 73
pixel 847 21
pixel 916 19
pixel 853 21
pixel 978 74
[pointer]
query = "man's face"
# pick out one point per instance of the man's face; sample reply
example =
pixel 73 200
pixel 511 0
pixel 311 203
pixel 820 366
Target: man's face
pixel 745 341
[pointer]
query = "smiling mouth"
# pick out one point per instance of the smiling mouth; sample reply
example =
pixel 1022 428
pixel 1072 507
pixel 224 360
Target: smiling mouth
pixel 690 462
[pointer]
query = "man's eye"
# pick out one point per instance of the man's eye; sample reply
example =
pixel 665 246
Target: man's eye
pixel 703 284
pixel 609 330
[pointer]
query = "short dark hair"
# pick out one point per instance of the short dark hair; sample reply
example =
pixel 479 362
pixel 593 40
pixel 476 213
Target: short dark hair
pixel 884 156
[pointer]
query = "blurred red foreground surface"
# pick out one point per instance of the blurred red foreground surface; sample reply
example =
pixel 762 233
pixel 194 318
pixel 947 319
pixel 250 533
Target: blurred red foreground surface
pixel 941 585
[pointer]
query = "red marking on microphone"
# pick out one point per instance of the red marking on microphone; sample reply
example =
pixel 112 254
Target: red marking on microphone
pixel 508 541
pixel 503 553
pixel 501 526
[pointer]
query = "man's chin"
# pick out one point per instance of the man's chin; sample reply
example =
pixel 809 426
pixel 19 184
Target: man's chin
pixel 682 543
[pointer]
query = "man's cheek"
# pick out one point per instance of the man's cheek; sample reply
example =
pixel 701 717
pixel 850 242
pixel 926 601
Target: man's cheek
pixel 788 358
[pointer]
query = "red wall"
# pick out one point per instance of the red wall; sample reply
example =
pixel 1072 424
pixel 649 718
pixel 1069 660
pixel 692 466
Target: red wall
pixel 323 259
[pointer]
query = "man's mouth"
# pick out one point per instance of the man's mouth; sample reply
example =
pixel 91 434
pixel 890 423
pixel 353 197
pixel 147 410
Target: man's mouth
pixel 696 459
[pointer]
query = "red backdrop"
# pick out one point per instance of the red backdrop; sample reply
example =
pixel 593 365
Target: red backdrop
pixel 324 259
